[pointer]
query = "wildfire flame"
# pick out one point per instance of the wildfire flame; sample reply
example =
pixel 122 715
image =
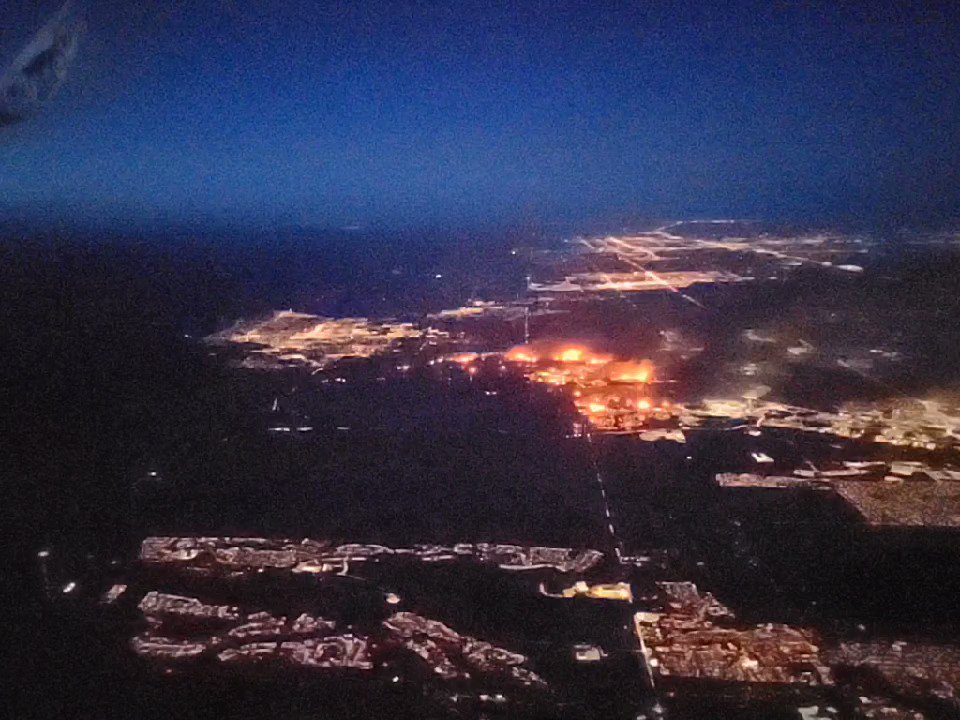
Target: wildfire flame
pixel 572 355
pixel 604 390
pixel 631 372
pixel 566 354
pixel 521 354
pixel 464 358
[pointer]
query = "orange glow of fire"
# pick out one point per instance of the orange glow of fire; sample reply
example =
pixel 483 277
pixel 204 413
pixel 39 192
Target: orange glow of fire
pixel 521 354
pixel 549 377
pixel 632 372
pixel 560 353
pixel 597 408
pixel 644 404
pixel 464 358
pixel 572 355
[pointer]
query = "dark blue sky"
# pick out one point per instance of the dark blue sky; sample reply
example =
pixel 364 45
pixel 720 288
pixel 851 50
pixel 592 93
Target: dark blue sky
pixel 480 113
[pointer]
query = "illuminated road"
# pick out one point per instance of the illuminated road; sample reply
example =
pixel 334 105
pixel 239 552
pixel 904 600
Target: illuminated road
pixel 609 518
pixel 625 252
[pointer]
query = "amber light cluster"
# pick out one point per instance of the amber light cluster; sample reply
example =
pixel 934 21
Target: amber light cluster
pixel 555 352
pixel 612 394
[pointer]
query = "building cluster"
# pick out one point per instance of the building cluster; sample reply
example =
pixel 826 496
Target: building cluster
pixel 623 404
pixel 904 422
pixel 621 396
pixel 896 502
pixel 636 281
pixel 163 605
pixel 181 628
pixel 912 670
pixel 602 591
pixel 679 256
pixel 901 493
pixel 453 656
pixel 614 395
pixel 288 337
pixel 872 707
pixel 340 652
pixel 694 637
pixel 229 555
pixel 688 636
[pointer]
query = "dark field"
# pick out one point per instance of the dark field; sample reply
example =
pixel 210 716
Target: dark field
pixel 122 424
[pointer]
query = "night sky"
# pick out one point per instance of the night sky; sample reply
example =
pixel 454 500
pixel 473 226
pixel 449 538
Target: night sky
pixel 404 114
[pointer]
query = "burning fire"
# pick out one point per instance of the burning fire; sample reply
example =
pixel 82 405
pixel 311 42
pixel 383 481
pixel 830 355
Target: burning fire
pixel 565 354
pixel 521 354
pixel 631 372
pixel 464 358
pixel 612 394
pixel 572 355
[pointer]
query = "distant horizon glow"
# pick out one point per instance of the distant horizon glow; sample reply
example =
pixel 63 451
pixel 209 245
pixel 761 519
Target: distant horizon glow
pixel 357 116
